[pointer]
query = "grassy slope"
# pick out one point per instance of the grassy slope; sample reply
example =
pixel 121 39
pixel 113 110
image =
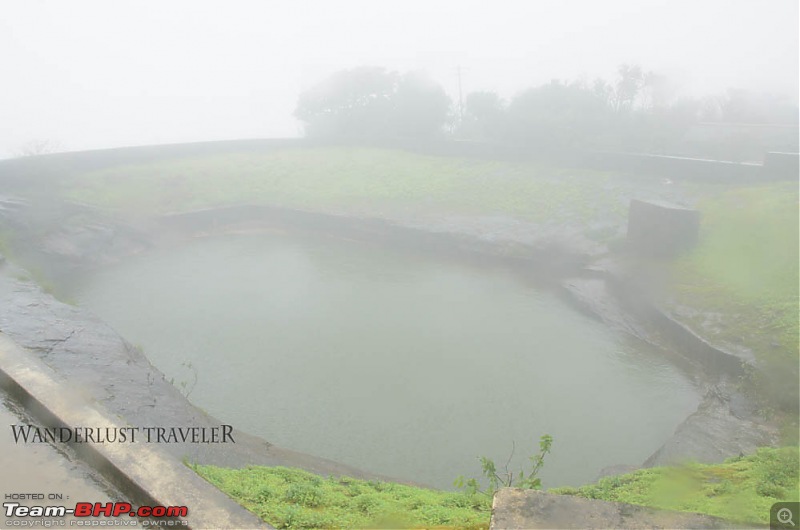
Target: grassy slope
pixel 291 498
pixel 745 271
pixel 356 180
pixel 741 489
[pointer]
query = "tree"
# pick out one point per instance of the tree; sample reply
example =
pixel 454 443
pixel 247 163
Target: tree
pixel 370 102
pixel 350 103
pixel 37 147
pixel 743 106
pixel 485 115
pixel 556 115
pixel 629 84
pixel 420 107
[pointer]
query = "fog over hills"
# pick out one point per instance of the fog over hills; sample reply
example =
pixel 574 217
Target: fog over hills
pixel 93 74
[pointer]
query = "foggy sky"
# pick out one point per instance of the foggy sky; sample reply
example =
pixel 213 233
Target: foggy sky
pixel 96 74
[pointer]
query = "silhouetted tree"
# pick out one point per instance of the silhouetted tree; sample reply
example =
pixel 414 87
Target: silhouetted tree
pixel 485 116
pixel 743 106
pixel 420 107
pixel 39 146
pixel 630 82
pixel 352 103
pixel 556 115
pixel 370 102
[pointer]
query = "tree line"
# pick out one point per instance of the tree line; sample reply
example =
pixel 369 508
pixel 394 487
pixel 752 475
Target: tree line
pixel 638 110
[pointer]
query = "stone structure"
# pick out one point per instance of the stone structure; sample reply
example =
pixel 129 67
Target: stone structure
pixel 661 229
pixel 674 167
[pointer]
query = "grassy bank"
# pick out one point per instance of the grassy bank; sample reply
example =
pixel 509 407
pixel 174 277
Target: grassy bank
pixel 292 498
pixel 741 489
pixel 355 180
pixel 743 279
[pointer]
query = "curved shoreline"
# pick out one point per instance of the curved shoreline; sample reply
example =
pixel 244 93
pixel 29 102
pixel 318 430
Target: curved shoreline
pixel 62 335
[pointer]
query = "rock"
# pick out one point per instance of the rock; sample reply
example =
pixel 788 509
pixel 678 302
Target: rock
pixel 517 508
pixel 723 426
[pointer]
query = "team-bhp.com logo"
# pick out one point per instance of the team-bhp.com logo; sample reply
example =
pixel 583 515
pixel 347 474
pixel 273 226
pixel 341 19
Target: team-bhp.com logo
pixel 96 509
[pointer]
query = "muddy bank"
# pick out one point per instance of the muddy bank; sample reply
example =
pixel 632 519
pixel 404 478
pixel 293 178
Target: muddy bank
pixel 87 351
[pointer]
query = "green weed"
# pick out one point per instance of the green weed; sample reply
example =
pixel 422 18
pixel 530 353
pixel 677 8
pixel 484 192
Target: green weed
pixel 292 498
pixel 741 489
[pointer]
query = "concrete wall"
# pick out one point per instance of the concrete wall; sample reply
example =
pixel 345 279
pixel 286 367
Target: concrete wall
pixel 660 229
pixel 782 166
pixel 674 167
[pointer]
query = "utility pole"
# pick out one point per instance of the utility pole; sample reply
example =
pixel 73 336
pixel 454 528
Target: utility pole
pixel 460 97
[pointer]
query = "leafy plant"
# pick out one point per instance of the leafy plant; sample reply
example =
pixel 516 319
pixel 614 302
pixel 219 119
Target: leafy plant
pixel 186 387
pixel 507 479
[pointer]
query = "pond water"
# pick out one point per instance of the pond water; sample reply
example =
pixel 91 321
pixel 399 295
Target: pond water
pixel 396 363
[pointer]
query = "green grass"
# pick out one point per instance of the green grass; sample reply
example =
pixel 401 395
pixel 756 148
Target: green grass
pixel 741 489
pixel 356 180
pixel 745 271
pixel 292 498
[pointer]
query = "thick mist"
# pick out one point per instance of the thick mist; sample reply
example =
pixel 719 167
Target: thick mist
pixel 551 245
pixel 90 75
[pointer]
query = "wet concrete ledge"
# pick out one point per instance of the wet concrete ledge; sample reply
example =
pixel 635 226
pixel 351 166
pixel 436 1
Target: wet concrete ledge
pixel 147 475
pixel 540 255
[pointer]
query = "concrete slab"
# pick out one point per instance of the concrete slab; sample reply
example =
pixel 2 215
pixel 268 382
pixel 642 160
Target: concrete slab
pixel 142 472
pixel 662 229
pixel 42 469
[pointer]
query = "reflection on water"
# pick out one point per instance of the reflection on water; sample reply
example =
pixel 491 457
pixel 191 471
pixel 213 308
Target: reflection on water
pixel 398 364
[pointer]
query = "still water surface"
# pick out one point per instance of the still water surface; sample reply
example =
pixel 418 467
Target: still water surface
pixel 396 363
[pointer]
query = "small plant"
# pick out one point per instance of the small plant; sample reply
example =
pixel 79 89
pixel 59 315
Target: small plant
pixel 293 498
pixel 185 386
pixel 741 489
pixel 508 479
